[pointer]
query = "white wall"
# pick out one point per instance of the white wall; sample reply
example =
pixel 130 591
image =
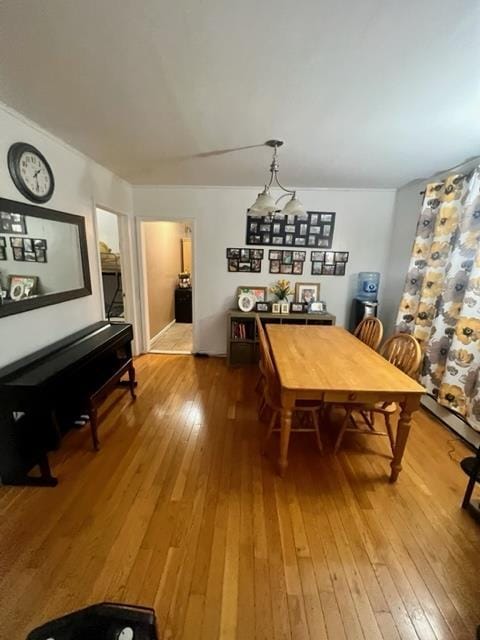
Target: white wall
pixel 363 227
pixel 79 184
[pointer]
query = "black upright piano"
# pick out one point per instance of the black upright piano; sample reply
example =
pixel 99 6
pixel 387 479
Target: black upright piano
pixel 42 394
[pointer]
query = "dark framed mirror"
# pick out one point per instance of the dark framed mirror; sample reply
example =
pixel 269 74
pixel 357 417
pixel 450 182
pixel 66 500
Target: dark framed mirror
pixel 43 257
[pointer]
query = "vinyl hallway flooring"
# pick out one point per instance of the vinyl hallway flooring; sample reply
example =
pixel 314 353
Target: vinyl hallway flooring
pixel 178 337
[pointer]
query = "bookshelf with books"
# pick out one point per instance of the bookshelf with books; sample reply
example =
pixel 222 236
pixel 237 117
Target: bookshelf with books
pixel 242 338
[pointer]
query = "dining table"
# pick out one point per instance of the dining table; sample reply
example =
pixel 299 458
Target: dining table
pixel 330 365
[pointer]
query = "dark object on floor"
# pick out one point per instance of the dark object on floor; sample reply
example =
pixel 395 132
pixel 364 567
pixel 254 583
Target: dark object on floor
pixel 105 621
pixel 471 466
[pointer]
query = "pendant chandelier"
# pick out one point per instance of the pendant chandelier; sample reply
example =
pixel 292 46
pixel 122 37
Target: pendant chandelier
pixel 265 204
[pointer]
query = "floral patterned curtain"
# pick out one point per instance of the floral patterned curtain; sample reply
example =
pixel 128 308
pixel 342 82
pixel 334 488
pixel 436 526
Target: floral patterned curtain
pixel 440 305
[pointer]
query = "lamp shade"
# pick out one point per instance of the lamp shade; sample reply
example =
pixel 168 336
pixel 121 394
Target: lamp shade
pixel 263 205
pixel 294 206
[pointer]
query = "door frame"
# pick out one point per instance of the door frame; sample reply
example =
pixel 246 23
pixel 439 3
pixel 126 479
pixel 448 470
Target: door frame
pixel 125 228
pixel 144 325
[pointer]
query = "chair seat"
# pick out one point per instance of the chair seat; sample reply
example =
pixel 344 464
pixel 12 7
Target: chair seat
pixel 391 407
pixel 468 466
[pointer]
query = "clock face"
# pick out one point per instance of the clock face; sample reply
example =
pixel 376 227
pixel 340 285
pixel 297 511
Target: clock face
pixel 30 172
pixel 34 174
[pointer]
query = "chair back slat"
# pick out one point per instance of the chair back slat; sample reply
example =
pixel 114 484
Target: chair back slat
pixel 370 332
pixel 272 383
pixel 403 351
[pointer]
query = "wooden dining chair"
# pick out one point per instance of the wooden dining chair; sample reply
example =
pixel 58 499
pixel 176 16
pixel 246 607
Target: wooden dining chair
pixel 272 398
pixel 370 332
pixel 403 351
pixel 262 341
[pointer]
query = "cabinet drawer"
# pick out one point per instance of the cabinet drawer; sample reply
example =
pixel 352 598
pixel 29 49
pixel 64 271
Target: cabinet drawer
pixel 346 397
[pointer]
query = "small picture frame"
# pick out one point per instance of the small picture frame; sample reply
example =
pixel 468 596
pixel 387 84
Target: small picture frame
pixel 260 293
pixel 28 245
pixel 328 270
pixel 341 256
pixel 340 269
pixel 16 243
pixel 329 257
pixel 39 243
pixel 233 265
pixel 29 256
pixel 297 307
pixel 286 268
pixel 307 292
pixel 317 268
pixel 256 265
pixel 18 254
pixel 3 241
pixel 233 254
pixel 262 307
pixel 3 253
pixel 297 267
pixel 275 307
pixel 317 307
pixel 284 307
pixel 274 254
pixel 317 256
pixel 41 255
pixel 299 256
pixel 274 266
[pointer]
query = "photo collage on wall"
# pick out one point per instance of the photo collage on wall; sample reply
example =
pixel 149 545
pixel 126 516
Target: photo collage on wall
pixel 314 230
pixel 29 249
pixel 245 260
pixel 287 261
pixel 12 223
pixel 329 263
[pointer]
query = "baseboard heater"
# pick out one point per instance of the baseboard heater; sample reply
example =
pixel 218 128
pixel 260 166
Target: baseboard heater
pixel 452 421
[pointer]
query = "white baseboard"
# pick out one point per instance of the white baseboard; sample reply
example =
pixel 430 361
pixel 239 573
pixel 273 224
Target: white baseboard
pixel 166 328
pixel 452 421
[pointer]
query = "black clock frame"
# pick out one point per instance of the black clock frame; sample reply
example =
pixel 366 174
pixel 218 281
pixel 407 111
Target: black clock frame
pixel 14 154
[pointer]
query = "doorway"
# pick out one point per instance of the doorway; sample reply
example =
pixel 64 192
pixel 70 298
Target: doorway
pixel 166 250
pixel 108 227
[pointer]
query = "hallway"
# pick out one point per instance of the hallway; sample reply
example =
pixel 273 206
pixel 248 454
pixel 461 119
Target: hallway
pixel 177 338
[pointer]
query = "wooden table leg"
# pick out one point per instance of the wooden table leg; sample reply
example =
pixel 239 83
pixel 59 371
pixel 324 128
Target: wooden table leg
pixel 288 403
pixel 407 408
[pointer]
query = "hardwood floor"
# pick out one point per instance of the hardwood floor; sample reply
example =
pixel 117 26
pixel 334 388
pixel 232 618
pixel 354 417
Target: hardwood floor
pixel 181 512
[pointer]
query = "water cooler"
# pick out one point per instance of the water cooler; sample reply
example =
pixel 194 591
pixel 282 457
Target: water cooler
pixel 365 303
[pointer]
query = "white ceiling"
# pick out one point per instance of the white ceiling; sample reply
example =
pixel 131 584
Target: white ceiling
pixel 366 93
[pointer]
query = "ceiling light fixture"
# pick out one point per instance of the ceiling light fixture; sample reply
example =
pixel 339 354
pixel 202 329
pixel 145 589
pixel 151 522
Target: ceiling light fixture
pixel 265 204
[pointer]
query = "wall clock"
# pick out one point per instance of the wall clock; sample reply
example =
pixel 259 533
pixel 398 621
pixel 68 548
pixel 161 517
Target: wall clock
pixel 30 172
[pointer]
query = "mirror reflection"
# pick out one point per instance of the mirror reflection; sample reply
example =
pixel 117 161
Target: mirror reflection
pixel 45 258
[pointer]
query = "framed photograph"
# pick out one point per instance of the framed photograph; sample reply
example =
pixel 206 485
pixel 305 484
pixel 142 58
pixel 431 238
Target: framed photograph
pixel 27 244
pixel 256 266
pixel 18 254
pixel 246 302
pixel 328 270
pixel 16 242
pixel 307 292
pixel 329 257
pixel 262 307
pixel 299 255
pixel 257 254
pixel 22 286
pixel 315 229
pixel 297 307
pixel 274 255
pixel 3 241
pixel 340 268
pixel 3 253
pixel 233 265
pixel 317 256
pixel 12 222
pixel 284 307
pixel 244 255
pixel 341 256
pixel 287 257
pixel 29 256
pixel 41 255
pixel 260 293
pixel 275 307
pixel 297 267
pixel 274 266
pixel 39 244
pixel 317 307
pixel 233 253
pixel 286 268
pixel 317 268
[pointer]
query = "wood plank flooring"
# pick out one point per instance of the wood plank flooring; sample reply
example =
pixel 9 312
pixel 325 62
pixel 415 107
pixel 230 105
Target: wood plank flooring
pixel 181 512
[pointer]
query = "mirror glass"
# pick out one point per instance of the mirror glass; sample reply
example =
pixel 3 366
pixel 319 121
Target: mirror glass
pixel 43 257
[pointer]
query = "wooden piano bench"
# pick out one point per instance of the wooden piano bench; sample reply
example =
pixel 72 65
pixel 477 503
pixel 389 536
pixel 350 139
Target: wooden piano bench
pixel 99 393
